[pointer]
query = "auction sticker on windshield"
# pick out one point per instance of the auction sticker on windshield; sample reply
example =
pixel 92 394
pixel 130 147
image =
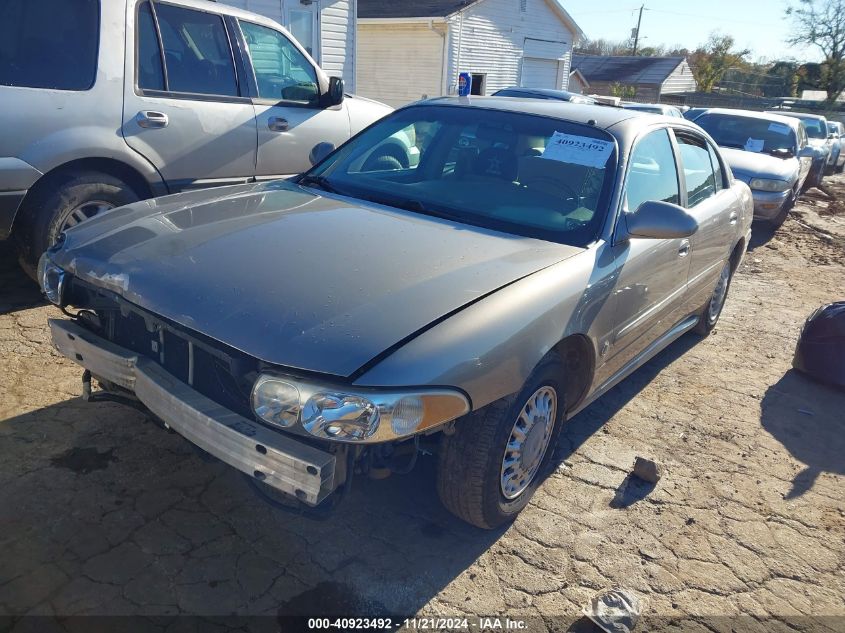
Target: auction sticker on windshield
pixel 578 150
pixel 754 145
pixel 780 128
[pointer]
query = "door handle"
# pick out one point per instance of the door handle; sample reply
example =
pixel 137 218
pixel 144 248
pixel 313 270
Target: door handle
pixel 733 218
pixel 684 248
pixel 278 124
pixel 152 120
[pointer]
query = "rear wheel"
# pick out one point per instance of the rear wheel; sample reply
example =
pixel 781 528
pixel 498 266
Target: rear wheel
pixel 713 309
pixel 61 203
pixel 490 467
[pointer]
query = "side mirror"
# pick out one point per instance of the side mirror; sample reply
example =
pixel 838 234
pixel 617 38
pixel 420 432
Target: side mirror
pixel 660 221
pixel 320 151
pixel 334 96
pixel 807 152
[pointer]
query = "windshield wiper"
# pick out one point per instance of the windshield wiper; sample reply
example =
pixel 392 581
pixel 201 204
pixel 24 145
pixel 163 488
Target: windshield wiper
pixel 417 206
pixel 321 182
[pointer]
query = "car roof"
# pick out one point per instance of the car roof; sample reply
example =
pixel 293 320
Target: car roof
pixel 798 115
pixel 604 116
pixel 792 122
pixel 549 92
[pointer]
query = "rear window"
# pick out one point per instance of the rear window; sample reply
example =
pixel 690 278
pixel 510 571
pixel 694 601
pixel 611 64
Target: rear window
pixel 49 43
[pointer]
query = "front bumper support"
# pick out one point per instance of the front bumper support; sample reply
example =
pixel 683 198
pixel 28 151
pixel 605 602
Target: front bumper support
pixel 280 461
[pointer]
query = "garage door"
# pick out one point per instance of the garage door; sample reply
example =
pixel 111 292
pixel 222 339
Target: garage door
pixel 539 73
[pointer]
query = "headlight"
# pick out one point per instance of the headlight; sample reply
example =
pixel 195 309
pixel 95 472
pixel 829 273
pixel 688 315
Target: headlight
pixel 765 184
pixel 51 278
pixel 350 414
pixel 276 401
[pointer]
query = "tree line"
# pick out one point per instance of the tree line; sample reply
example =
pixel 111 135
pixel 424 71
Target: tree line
pixel 718 64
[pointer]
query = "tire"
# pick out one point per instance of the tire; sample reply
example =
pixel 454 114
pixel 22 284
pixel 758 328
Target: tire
pixel 470 465
pixel 387 157
pixel 50 206
pixel 708 318
pixel 777 221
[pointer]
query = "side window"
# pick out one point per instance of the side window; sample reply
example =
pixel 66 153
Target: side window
pixel 718 172
pixel 652 174
pixel 49 43
pixel 150 73
pixel 196 52
pixel 698 170
pixel 281 71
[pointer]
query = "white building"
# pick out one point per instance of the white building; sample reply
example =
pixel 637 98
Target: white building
pixel 409 50
pixel 326 28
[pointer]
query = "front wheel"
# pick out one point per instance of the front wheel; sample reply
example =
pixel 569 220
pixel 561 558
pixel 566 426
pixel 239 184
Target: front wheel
pixel 713 309
pixel 490 467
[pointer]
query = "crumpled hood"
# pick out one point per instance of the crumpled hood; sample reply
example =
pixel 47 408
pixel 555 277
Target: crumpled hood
pixel 749 165
pixel 293 278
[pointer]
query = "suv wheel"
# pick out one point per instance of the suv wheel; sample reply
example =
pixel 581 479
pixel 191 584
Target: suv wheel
pixel 490 467
pixel 64 202
pixel 711 312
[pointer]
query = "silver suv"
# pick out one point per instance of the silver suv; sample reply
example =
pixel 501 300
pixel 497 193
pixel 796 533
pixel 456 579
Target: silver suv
pixel 109 101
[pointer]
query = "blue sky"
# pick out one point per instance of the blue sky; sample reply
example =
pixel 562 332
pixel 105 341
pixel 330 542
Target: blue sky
pixel 760 25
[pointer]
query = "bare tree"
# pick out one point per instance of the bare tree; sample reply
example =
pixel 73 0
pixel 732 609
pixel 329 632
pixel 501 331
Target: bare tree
pixel 821 23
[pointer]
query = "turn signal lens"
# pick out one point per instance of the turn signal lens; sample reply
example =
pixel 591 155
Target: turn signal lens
pixel 51 279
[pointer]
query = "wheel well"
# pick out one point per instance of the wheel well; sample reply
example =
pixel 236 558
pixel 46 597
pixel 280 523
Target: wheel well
pixel 577 355
pixel 736 255
pixel 114 168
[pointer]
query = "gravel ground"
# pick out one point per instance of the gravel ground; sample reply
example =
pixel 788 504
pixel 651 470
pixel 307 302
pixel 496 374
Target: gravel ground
pixel 103 513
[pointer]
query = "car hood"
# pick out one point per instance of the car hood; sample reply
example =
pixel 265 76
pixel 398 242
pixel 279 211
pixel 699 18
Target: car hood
pixel 819 144
pixel 748 165
pixel 294 278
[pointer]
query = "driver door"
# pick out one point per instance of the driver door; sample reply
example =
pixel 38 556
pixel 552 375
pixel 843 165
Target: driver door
pixel 287 109
pixel 652 273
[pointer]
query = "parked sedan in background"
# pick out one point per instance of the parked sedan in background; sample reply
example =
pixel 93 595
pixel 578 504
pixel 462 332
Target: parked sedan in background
pixel 654 108
pixel 838 130
pixel 303 331
pixel 544 93
pixel 819 137
pixel 693 113
pixel 768 152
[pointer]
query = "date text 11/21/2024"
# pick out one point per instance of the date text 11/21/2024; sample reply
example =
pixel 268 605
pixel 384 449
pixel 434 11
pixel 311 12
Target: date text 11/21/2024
pixel 480 624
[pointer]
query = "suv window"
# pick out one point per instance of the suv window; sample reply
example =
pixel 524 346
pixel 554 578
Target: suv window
pixel 281 71
pixel 653 174
pixel 49 43
pixel 698 170
pixel 197 54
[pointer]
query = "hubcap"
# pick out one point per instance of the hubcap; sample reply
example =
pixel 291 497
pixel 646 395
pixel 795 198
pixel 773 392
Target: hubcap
pixel 528 442
pixel 719 294
pixel 85 211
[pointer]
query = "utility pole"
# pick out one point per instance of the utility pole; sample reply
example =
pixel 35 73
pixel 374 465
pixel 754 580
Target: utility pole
pixel 637 31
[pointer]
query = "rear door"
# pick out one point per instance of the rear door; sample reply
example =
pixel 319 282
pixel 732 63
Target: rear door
pixel 652 273
pixel 716 208
pixel 186 106
pixel 289 116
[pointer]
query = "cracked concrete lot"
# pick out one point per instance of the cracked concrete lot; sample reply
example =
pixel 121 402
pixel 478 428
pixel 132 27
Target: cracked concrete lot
pixel 103 513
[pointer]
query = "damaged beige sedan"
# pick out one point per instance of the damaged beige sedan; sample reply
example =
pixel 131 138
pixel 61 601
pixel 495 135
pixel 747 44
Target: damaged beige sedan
pixel 467 303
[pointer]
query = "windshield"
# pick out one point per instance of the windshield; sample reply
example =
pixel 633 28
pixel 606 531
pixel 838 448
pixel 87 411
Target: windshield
pixel 523 174
pixel 748 133
pixel 815 127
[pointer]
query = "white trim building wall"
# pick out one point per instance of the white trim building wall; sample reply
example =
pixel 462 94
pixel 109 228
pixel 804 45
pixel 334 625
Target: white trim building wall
pixel 503 43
